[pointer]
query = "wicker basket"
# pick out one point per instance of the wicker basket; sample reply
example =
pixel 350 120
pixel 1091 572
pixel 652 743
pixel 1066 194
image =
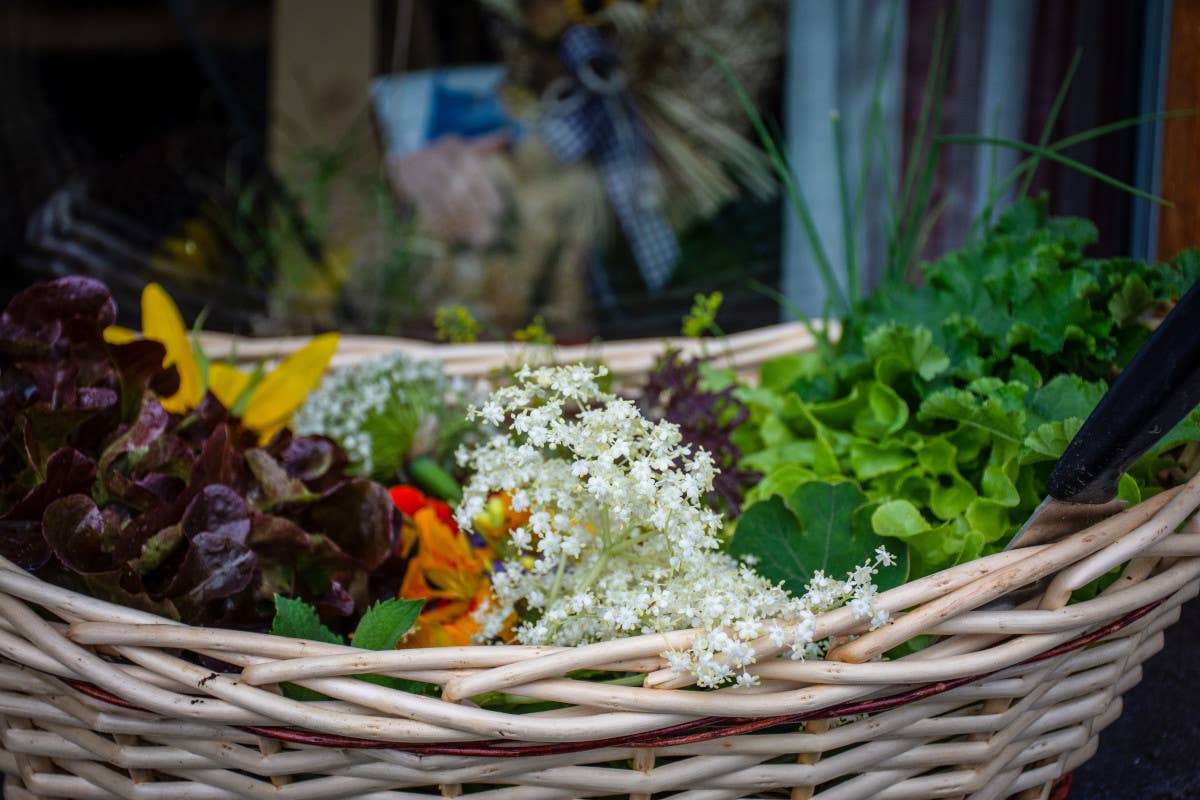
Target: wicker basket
pixel 102 701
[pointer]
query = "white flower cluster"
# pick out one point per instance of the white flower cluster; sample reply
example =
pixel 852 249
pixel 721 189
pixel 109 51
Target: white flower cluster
pixel 379 410
pixel 618 540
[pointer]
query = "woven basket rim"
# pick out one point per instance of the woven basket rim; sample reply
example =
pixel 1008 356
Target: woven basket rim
pixel 700 730
pixel 516 669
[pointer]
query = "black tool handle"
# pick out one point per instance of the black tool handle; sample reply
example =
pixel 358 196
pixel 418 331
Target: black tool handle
pixel 1158 388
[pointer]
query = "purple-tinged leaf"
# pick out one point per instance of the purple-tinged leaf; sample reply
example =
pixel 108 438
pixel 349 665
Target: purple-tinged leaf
pixel 64 317
pixel 161 486
pixel 336 602
pixel 219 462
pixel 219 510
pixel 357 517
pixel 216 566
pixel 74 529
pixel 120 458
pixel 22 543
pixel 68 471
pixel 140 367
pixel 275 486
pixel 311 458
pixel 124 587
pixel 167 454
pixel 277 536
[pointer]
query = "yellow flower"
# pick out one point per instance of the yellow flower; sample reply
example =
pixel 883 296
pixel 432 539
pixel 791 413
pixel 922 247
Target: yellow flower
pixel 265 405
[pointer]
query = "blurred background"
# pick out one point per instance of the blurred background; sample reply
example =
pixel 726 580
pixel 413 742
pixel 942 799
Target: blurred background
pixel 304 165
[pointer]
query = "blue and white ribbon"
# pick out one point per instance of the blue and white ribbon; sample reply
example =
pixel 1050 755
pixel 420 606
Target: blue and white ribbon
pixel 592 112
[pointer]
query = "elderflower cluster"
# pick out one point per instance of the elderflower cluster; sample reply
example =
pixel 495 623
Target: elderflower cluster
pixel 618 540
pixel 379 410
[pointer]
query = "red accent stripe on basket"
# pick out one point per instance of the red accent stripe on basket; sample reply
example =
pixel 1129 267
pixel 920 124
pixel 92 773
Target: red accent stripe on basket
pixel 1062 789
pixel 699 730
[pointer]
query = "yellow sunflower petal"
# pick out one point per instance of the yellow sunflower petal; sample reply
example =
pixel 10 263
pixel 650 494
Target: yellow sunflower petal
pixel 162 322
pixel 284 388
pixel 227 383
pixel 115 334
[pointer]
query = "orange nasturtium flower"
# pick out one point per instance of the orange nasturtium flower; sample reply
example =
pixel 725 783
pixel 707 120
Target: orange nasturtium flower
pixel 265 405
pixel 446 568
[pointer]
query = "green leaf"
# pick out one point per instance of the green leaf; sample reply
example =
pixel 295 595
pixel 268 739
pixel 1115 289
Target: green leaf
pixel 782 481
pixel 775 432
pixel 385 623
pixel 296 619
pixel 826 528
pixel 950 493
pixel 898 349
pixel 1187 430
pixel 986 415
pixel 884 414
pixel 870 460
pixel 1063 397
pixel 1049 440
pixel 1023 371
pixel 780 373
pixel 899 519
pixel 1128 490
pixel 797 453
pixel 1130 299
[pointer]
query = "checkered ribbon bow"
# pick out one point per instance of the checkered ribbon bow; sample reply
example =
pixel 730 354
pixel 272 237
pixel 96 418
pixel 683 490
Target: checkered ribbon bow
pixel 591 112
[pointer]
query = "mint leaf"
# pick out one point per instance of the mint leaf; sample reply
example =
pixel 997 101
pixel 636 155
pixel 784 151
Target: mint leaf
pixel 296 619
pixel 385 623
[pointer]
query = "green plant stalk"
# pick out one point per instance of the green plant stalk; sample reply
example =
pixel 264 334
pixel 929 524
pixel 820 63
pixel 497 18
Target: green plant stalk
pixel 1053 155
pixel 986 211
pixel 875 129
pixel 848 240
pixel 795 196
pixel 820 336
pixel 1062 144
pixel 918 144
pixel 433 479
pixel 913 212
pixel 1052 118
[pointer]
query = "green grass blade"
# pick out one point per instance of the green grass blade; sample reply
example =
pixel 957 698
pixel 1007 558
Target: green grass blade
pixel 1064 143
pixel 874 126
pixel 1120 125
pixel 915 212
pixel 1054 155
pixel 918 143
pixel 1052 118
pixel 849 242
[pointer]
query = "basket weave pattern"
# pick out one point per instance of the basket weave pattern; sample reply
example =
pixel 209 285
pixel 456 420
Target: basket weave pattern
pixel 101 701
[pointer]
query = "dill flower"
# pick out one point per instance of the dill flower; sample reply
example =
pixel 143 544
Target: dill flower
pixel 618 541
